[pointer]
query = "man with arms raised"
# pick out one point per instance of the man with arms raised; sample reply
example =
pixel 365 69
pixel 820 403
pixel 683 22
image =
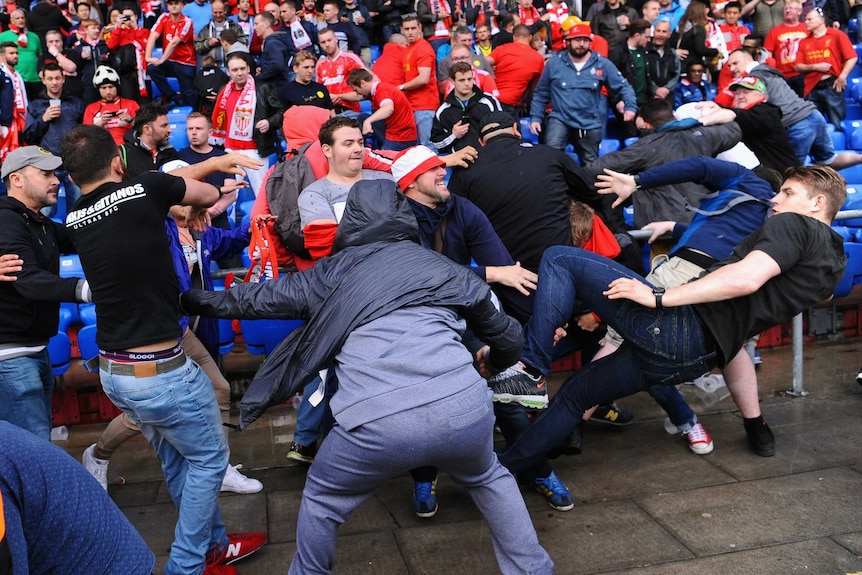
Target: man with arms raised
pixel 118 228
pixel 793 261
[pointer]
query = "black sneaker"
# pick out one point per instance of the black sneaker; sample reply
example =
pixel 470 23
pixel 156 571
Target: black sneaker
pixel 611 414
pixel 761 441
pixel 570 445
pixel 515 384
pixel 302 453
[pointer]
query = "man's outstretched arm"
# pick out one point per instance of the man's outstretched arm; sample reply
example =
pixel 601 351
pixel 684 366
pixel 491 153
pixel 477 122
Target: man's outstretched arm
pixel 727 282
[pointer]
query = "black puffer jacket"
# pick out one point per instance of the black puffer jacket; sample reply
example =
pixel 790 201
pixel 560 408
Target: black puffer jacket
pixel 377 266
pixel 30 306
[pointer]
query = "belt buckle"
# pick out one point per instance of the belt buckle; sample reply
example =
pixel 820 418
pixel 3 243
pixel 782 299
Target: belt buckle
pixel 146 369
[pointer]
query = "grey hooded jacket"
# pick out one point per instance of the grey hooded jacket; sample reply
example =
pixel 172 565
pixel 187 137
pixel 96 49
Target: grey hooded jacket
pixel 377 267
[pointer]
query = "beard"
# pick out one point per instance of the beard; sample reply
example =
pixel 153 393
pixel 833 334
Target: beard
pixel 578 52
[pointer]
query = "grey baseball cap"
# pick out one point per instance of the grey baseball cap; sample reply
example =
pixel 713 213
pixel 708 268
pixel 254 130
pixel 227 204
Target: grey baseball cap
pixel 30 156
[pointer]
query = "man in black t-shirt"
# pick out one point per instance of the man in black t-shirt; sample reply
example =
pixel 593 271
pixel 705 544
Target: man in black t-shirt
pixel 678 334
pixel 304 91
pixel 118 228
pixel 760 122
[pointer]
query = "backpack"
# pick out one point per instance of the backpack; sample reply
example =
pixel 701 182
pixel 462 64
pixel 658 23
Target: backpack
pixel 287 180
pixel 124 59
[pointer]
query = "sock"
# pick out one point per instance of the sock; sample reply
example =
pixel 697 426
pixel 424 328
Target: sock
pixel 754 424
pixel 532 371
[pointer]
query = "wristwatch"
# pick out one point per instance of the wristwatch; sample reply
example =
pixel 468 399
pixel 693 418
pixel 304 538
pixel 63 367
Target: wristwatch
pixel 658 292
pixel 637 180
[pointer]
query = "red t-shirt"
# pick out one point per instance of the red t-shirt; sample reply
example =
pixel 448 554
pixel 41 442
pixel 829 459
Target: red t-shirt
pixel 112 109
pixel 400 126
pixel 783 42
pixel 833 47
pixel 184 53
pixel 389 67
pixel 420 54
pixel 333 74
pixel 517 64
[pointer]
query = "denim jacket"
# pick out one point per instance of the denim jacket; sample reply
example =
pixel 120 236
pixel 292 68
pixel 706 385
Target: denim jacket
pixel 576 97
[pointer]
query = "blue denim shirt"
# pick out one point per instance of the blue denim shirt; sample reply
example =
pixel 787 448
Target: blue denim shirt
pixel 576 96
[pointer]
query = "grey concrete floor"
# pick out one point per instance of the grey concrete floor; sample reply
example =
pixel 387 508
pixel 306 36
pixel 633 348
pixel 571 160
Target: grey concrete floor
pixel 644 503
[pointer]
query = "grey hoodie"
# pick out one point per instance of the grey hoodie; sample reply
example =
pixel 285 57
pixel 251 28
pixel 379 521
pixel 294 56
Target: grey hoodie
pixel 793 107
pixel 383 306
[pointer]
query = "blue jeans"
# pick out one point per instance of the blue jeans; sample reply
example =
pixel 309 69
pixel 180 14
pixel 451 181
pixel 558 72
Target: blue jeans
pixel 424 120
pixel 178 414
pixel 666 346
pixel 26 385
pixel 674 404
pixel 586 142
pixel 313 423
pixel 184 74
pixel 831 103
pixel 810 136
pixel 396 146
pixel 454 434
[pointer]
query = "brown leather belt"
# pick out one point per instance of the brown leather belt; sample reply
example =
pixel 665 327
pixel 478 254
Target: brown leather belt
pixel 143 368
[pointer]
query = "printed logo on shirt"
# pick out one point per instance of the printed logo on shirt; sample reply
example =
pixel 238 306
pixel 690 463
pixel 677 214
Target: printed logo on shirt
pixel 104 207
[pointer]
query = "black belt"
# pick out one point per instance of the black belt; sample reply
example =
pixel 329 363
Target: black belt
pixel 143 368
pixel 825 83
pixel 701 260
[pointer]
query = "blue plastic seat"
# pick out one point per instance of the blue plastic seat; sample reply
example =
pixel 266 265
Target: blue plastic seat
pixel 70 266
pixel 179 114
pixel 87 343
pixel 853 271
pixel 853 175
pixel 68 315
pixel 172 82
pixel 262 336
pixel 848 126
pixel 853 92
pixel 854 111
pixel 375 52
pixel 526 134
pixel 60 353
pixel 365 106
pixel 629 141
pixel 87 313
pixel 608 146
pixel 179 138
pixel 226 336
pixel 839 139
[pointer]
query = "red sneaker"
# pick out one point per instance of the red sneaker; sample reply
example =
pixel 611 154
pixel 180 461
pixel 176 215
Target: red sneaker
pixel 239 546
pixel 221 570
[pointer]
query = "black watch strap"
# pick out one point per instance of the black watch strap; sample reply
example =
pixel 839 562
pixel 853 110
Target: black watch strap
pixel 658 292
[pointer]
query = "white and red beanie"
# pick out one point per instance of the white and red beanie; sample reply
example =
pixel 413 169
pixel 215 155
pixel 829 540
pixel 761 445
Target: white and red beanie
pixel 412 163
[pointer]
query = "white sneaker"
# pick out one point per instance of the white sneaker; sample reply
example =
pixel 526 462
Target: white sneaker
pixel 238 483
pixel 97 467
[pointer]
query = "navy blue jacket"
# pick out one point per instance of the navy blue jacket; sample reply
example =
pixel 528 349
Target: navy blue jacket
pixel 50 134
pixel 215 243
pixel 7 100
pixel 715 234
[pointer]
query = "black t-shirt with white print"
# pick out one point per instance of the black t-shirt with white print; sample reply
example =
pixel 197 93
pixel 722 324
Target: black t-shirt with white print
pixel 811 257
pixel 119 232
